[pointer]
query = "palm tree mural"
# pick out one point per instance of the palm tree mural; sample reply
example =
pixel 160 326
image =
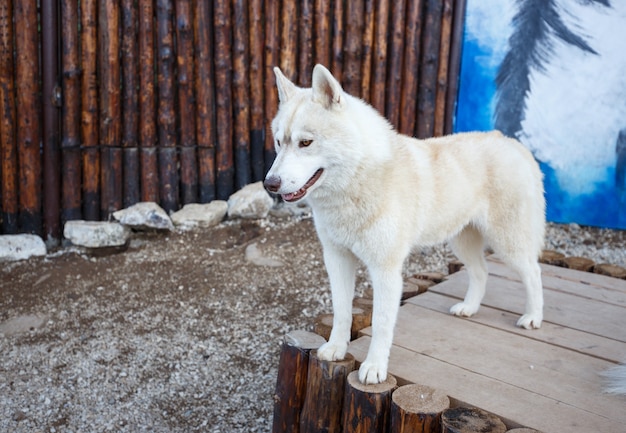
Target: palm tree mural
pixel 530 47
pixel 561 90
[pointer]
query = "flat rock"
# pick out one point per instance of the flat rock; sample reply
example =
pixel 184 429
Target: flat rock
pixel 21 247
pixel 194 215
pixel 96 234
pixel 255 256
pixel 251 201
pixel 22 324
pixel 144 215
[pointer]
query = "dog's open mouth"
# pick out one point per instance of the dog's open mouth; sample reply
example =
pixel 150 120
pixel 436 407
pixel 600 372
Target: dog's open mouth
pixel 293 196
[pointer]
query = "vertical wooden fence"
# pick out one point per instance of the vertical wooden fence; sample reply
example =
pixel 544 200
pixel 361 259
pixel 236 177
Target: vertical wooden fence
pixel 107 103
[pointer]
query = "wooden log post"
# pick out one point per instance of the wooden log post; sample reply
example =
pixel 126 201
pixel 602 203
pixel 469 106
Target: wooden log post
pixel 70 114
pixel 470 420
pixel 454 266
pixel 166 118
pixel 186 105
pixel 147 104
pixel 366 408
pixel 410 76
pixel 257 130
pixel 8 151
pixel 363 302
pixel 289 40
pixel 456 43
pixel 435 277
pixel 241 95
pixel 305 42
pixel 323 325
pixel 351 80
pixel 28 116
pixel 550 257
pixel 291 383
pixel 272 58
pixel 326 381
pixel 367 46
pixel 50 102
pixel 429 66
pixel 110 120
pixel 442 74
pixel 415 286
pixel 378 92
pixel 130 97
pixel 225 174
pixel 205 99
pixel 322 32
pixel 89 109
pixel 361 319
pixel 337 41
pixel 396 51
pixel 417 408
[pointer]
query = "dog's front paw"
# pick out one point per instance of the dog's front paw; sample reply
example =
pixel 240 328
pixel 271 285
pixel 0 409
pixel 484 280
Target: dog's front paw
pixel 332 351
pixel 530 321
pixel 463 309
pixel 372 372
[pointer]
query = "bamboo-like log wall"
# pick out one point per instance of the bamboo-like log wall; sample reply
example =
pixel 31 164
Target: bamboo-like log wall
pixel 104 104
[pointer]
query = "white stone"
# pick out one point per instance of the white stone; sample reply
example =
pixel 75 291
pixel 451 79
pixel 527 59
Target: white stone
pixel 255 256
pixel 96 234
pixel 252 201
pixel 21 247
pixel 21 324
pixel 144 215
pixel 194 215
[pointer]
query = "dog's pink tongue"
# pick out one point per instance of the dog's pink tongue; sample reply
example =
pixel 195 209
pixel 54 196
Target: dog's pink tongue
pixel 289 196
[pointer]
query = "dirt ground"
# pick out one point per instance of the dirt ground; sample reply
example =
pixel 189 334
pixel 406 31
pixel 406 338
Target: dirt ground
pixel 180 332
pixel 185 326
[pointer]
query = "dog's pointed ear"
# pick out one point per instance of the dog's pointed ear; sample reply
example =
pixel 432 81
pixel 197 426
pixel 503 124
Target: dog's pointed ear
pixel 326 89
pixel 286 88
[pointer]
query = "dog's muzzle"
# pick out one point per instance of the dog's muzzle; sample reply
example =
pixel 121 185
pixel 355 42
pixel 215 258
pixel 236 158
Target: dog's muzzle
pixel 273 183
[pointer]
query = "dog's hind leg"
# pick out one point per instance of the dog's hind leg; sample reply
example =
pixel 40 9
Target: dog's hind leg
pixel 519 249
pixel 469 248
pixel 341 266
pixel 530 272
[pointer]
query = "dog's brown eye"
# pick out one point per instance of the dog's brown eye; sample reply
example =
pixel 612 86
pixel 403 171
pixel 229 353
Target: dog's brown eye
pixel 305 143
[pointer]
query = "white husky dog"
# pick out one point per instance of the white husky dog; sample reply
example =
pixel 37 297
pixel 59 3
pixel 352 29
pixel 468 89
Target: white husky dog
pixel 376 194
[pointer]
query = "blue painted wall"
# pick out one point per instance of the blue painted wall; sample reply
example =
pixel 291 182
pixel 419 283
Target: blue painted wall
pixel 575 104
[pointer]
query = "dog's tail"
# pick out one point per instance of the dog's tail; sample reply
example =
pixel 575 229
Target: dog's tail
pixel 615 380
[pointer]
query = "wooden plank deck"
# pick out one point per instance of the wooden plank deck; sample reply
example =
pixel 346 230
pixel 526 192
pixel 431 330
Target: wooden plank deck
pixel 547 379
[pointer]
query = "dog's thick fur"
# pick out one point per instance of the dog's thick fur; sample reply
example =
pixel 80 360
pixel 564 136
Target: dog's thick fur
pixel 376 194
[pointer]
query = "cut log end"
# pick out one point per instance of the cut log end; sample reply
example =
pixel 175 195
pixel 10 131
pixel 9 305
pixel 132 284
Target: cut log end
pixel 304 339
pixel 377 388
pixel 417 408
pixel 550 257
pixel 361 319
pixel 420 399
pixel 610 270
pixel 467 420
pixel 578 263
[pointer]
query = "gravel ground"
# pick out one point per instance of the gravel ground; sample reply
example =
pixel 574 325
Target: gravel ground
pixel 181 332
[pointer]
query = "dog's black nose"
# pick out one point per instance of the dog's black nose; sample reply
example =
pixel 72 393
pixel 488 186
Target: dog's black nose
pixel 272 183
